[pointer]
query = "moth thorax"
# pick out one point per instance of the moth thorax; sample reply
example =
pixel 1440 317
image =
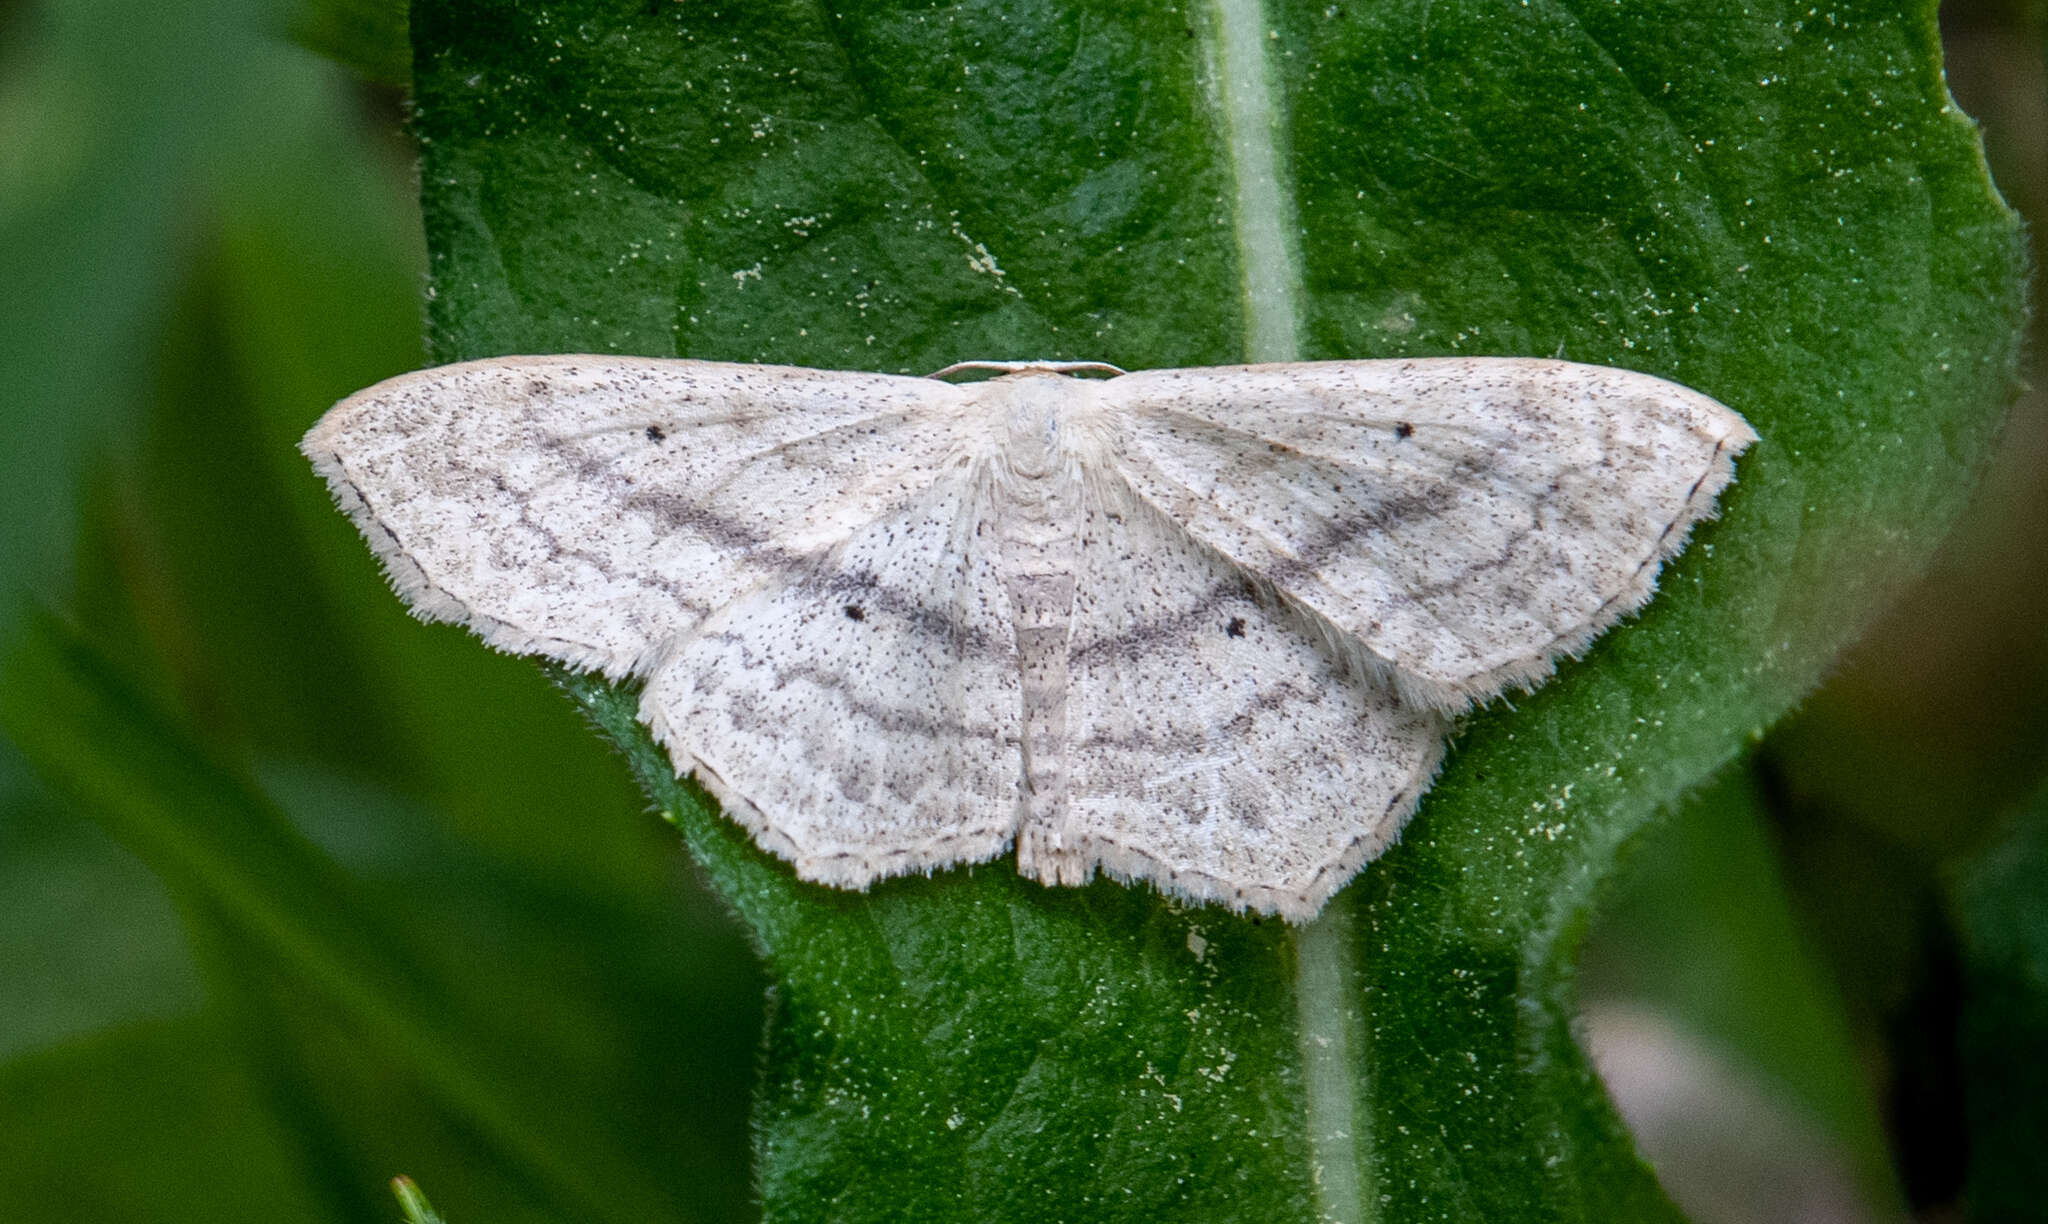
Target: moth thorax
pixel 1041 412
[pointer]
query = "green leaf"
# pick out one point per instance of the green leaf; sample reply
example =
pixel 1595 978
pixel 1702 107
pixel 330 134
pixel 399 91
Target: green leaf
pixel 304 955
pixel 413 1201
pixel 1699 932
pixel 86 1123
pixel 368 36
pixel 1774 204
pixel 114 118
pixel 69 897
pixel 2001 903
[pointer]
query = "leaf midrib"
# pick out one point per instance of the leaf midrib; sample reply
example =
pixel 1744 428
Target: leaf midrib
pixel 1250 106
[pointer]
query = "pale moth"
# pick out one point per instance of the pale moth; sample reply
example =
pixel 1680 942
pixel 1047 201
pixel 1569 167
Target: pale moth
pixel 1205 628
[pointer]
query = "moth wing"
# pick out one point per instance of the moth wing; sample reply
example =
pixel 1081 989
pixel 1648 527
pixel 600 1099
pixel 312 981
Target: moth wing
pixel 860 717
pixel 593 509
pixel 1215 747
pixel 1465 521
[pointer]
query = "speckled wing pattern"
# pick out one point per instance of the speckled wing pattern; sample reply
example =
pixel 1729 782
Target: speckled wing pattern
pixel 860 718
pixel 596 509
pixel 1461 522
pixel 1203 628
pixel 1215 745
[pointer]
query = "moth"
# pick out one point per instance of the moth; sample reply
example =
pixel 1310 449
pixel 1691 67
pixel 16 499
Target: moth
pixel 1205 628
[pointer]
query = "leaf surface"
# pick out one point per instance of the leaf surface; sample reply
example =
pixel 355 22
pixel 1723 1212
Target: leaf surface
pixel 2001 903
pixel 1774 204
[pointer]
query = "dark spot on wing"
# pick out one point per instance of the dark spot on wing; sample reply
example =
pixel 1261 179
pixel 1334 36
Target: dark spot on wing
pixel 536 387
pixel 854 612
pixel 1236 627
pixel 655 434
pixel 1403 429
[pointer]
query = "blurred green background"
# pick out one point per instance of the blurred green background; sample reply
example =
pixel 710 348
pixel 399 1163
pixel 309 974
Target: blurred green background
pixel 294 918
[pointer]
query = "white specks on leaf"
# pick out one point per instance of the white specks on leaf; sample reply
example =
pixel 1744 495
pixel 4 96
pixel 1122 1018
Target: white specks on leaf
pixel 983 261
